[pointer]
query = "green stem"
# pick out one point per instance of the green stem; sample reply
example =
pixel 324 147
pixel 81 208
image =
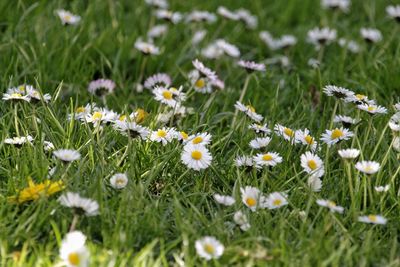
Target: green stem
pixel 246 83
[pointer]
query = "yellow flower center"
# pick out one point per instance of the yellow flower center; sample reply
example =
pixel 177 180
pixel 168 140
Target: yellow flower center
pixel 209 248
pixel 140 115
pixel 312 164
pixel 309 139
pixel 331 203
pixel 197 140
pixel 161 133
pixel 337 133
pixel 167 95
pixel 146 50
pixel 73 258
pixel 372 218
pixel 267 157
pixel 120 181
pixel 184 135
pixel 196 155
pixel 67 17
pixel 97 115
pixel 21 88
pixel 360 96
pixel 277 202
pixel 288 132
pixel 122 118
pixel 251 108
pixel 80 109
pixel 368 169
pixel 16 95
pixel 371 108
pixel 251 202
pixel 200 83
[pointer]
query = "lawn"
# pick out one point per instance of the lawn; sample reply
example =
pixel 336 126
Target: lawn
pixel 269 137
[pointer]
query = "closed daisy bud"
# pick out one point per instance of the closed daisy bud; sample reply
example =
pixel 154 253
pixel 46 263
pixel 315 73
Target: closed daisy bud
pixel 331 205
pixel 374 219
pixel 73 251
pixel 350 153
pixel 368 167
pixel 119 180
pixel 209 248
pixel 196 157
pixel 224 200
pixel 384 188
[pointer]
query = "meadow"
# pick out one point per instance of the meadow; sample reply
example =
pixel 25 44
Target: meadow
pixel 200 133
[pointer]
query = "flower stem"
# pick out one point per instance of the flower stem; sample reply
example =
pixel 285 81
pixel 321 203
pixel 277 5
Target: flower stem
pixel 246 83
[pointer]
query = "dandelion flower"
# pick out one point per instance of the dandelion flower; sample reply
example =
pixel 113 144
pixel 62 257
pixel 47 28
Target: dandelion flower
pixel 224 200
pixel 374 219
pixel 196 157
pixel 67 155
pixel 368 167
pixel 331 205
pixel 80 204
pixel 36 190
pixel 209 248
pixel 73 251
pixel 119 180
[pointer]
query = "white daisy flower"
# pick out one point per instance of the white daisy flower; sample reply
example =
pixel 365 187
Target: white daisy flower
pixel 350 153
pixel 67 155
pixel 209 248
pixel 19 141
pixel 244 161
pixel 351 45
pixel 285 41
pixel 287 133
pixel 251 66
pixel 314 183
pixel 313 63
pixel 158 79
pixel 267 159
pixel 161 4
pixel 338 92
pixel 381 188
pixel 157 31
pixel 101 87
pixel 204 71
pixel 146 47
pixel 247 18
pixel 249 111
pixel 48 146
pixel 275 200
pixel 343 5
pixel 16 97
pixel 224 200
pixel 81 112
pixel 201 16
pixel 198 36
pixel 228 48
pixel 312 164
pixel 73 251
pixel 368 167
pixel 321 36
pixel 102 115
pixel 331 205
pixel 372 109
pixel 394 12
pixel 394 122
pixel 200 83
pixel 345 120
pixel 359 99
pixel 336 135
pixel 304 137
pixel 171 97
pixel 374 219
pixel 164 135
pixel 251 197
pixel 397 106
pixel 241 220
pixel 196 157
pixel 82 205
pixel 67 18
pixel 173 17
pixel 212 51
pixel 119 180
pixel 226 13
pixel 200 139
pixel 371 35
pixel 131 129
pixel 260 128
pixel 259 142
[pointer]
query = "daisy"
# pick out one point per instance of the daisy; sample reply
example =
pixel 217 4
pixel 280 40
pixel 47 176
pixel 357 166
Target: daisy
pixel 384 188
pixel 164 135
pixel 350 153
pixel 198 36
pixel 372 109
pixel 73 251
pixel 67 155
pixel 368 167
pixel 171 97
pixel 224 200
pixel 204 71
pixel 304 137
pixel 244 161
pixel 48 146
pixel 312 164
pixel 226 13
pixel 161 4
pixel 201 16
pixel 102 115
pixel 394 122
pixel 259 142
pixel 16 97
pixel 275 200
pixel 336 135
pixel 287 133
pixel 285 41
pixel 397 106
pixel 394 12
pixel 82 111
pixel 158 79
pixel 351 45
pixel 200 84
pixel 331 205
pixel 338 92
pixel 251 66
pixel 249 111
pixel 182 136
pixel 119 180
pixel 247 18
pixel 321 36
pixel 67 18
pixel 267 159
pixel 157 31
pixel 343 5
pixel 250 197
pixel 101 87
pixel 313 63
pixel 80 204
pixel 19 141
pixel 241 220
pixel 314 183
pixel 359 99
pixel 173 17
pixel 209 248
pixel 196 157
pixel 374 219
pixel 227 48
pixel 147 48
pixel 260 128
pixel 200 139
pixel 131 129
pixel 371 35
pixel 345 120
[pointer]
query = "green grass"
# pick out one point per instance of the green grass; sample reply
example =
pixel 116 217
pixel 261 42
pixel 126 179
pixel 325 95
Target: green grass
pixel 156 219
